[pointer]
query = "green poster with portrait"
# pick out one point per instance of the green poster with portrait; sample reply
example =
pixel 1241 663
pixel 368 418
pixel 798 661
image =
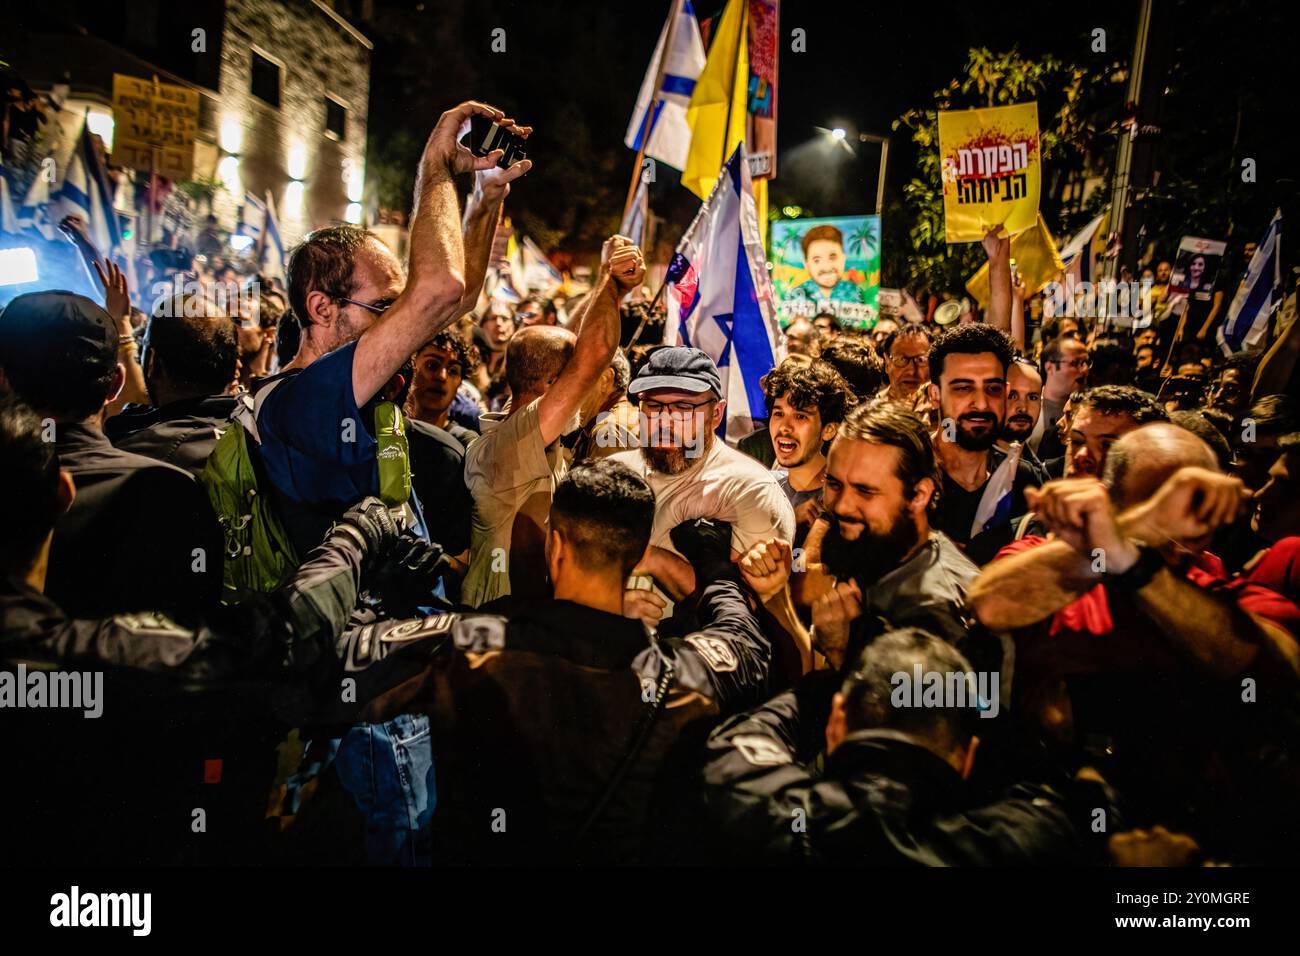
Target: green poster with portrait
pixel 827 265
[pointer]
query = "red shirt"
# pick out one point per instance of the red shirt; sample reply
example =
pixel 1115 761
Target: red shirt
pixel 1267 591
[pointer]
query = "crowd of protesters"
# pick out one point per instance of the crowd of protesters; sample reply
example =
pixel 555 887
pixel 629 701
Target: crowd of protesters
pixel 989 593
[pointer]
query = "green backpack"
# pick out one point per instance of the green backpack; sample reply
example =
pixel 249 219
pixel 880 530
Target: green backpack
pixel 258 553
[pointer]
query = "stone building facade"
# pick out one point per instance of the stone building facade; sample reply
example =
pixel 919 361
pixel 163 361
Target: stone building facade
pixel 283 93
pixel 322 65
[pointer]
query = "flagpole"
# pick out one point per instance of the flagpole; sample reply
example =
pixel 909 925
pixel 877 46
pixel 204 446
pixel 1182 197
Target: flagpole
pixel 649 312
pixel 648 122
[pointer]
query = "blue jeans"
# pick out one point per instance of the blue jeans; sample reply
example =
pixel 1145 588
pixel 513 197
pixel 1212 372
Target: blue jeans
pixel 387 769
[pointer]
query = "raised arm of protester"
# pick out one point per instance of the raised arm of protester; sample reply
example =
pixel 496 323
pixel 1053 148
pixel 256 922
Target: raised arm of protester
pixel 1212 628
pixel 998 248
pixel 482 216
pixel 117 303
pixel 597 338
pixel 1022 589
pixel 1095 545
pixel 766 569
pixel 436 279
pixel 1018 310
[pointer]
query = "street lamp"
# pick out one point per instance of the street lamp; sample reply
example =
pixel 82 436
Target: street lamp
pixel 884 158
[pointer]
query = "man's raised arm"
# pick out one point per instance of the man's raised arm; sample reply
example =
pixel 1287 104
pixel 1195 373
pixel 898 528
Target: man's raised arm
pixel 999 253
pixel 482 216
pixel 1023 589
pixel 435 284
pixel 597 339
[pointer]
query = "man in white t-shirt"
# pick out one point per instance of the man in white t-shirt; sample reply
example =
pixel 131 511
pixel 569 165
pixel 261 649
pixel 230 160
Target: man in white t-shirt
pixel 693 473
pixel 512 470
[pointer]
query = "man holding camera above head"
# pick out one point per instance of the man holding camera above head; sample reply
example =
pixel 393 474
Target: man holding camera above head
pixel 362 320
pixel 330 432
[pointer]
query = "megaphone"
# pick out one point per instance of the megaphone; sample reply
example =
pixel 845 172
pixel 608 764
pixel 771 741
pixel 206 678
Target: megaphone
pixel 947 313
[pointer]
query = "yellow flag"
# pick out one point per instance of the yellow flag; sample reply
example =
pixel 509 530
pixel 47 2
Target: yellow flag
pixel 990 169
pixel 1036 259
pixel 723 84
pixel 760 200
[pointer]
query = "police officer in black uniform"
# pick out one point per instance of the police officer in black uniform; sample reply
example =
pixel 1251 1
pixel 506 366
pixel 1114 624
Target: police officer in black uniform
pixel 137 738
pixel 895 788
pixel 562 729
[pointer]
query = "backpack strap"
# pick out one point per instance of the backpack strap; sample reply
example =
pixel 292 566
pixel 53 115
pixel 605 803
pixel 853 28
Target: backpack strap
pixel 248 407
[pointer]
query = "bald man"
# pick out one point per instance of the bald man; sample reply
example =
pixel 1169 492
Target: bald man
pixel 1129 634
pixel 512 470
pixel 1124 569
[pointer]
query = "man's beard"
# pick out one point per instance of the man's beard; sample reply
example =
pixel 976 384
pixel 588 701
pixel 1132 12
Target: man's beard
pixel 343 332
pixel 871 556
pixel 1017 428
pixel 677 460
pixel 972 442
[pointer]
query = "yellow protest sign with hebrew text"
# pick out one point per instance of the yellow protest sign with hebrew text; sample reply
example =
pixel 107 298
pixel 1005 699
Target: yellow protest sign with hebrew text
pixel 991 168
pixel 155 125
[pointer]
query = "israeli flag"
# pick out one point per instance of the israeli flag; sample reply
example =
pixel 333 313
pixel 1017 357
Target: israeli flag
pixel 995 504
pixel 500 289
pixel 34 213
pixel 252 218
pixel 538 272
pixel 1257 297
pixel 1077 254
pixel 271 256
pixel 660 117
pixel 720 297
pixel 88 193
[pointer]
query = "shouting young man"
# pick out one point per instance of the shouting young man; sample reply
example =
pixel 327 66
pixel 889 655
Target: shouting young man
pixel 805 406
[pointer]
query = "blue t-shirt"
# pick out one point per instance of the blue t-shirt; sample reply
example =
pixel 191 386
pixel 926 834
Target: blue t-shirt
pixel 316 443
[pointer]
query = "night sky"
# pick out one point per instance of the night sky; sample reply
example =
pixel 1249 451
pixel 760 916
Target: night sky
pixel 572 69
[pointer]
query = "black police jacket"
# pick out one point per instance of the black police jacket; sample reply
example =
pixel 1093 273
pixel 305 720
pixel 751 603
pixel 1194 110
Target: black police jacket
pixel 140 535
pixel 163 746
pixel 531 715
pixel 183 433
pixel 882 800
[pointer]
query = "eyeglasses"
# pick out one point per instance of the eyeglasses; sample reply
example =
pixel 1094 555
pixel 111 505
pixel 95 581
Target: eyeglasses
pixel 902 361
pixel 379 308
pixel 1079 363
pixel 651 407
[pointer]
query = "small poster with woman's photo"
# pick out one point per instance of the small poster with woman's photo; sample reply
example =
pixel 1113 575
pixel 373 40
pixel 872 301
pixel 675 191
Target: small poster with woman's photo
pixel 1196 269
